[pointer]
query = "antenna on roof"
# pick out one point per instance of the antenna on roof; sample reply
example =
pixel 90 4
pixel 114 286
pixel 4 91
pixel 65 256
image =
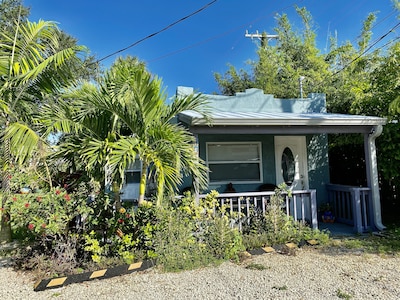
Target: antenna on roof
pixel 301 78
pixel 263 37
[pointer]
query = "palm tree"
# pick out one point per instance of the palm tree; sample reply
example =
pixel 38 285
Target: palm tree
pixel 124 118
pixel 32 66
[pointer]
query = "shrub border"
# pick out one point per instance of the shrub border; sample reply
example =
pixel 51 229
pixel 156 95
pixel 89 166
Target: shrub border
pixel 58 282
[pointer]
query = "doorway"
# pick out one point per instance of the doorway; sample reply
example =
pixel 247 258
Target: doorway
pixel 291 161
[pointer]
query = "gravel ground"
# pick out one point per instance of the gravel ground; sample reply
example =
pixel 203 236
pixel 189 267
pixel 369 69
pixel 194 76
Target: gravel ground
pixel 310 274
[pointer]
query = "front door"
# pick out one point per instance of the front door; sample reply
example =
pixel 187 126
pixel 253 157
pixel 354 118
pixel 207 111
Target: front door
pixel 291 161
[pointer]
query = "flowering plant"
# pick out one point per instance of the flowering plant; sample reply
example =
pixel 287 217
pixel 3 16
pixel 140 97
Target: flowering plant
pixel 44 214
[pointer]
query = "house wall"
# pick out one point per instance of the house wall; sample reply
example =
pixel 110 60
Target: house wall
pixel 254 100
pixel 318 165
pixel 268 158
pixel 317 152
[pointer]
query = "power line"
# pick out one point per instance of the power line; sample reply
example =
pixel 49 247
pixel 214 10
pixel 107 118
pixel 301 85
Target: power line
pixel 367 49
pixel 158 32
pixel 316 86
pixel 222 34
pixel 377 23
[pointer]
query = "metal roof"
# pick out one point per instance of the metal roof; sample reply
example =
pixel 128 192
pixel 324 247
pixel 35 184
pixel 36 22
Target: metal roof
pixel 192 118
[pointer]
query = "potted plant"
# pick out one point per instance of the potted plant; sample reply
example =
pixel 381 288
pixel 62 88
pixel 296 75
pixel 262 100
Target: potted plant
pixel 327 214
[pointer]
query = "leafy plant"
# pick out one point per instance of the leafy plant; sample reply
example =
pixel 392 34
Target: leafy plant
pixel 193 235
pixel 275 227
pixel 37 215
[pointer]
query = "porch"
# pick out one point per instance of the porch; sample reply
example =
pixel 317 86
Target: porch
pixel 352 207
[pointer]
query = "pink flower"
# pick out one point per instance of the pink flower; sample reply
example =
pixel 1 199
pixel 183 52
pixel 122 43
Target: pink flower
pixel 14 199
pixel 67 197
pixel 27 205
pixel 43 225
pixel 128 216
pixel 58 192
pixel 120 221
pixel 31 226
pixel 39 199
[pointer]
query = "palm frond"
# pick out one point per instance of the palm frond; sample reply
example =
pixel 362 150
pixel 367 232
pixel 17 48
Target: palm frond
pixel 23 140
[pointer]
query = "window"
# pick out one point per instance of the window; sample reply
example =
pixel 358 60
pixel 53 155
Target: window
pixel 288 166
pixel 234 162
pixel 133 172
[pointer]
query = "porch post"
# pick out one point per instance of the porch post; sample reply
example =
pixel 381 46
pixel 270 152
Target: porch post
pixel 372 174
pixel 314 216
pixel 195 179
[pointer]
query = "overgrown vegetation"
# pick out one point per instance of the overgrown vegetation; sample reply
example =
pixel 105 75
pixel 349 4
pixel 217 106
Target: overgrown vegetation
pixel 275 227
pixel 67 232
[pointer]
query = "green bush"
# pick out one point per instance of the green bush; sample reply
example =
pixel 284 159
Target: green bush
pixel 275 227
pixel 193 235
pixel 39 215
pixel 126 234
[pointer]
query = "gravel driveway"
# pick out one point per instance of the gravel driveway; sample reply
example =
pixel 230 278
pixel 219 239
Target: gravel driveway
pixel 310 274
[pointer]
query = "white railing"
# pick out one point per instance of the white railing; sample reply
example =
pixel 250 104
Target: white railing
pixel 301 205
pixel 351 206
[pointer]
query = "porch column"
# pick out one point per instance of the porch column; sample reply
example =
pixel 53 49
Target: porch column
pixel 195 179
pixel 372 174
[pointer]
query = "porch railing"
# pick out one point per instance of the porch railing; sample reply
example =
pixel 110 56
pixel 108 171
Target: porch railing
pixel 352 206
pixel 301 205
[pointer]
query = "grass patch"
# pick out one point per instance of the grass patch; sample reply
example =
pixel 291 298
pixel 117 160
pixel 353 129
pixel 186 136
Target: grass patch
pixel 387 243
pixel 254 266
pixel 280 288
pixel 343 295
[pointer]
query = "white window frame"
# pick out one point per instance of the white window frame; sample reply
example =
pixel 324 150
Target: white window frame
pixel 259 162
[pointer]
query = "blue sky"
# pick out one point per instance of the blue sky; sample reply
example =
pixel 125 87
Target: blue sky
pixel 190 52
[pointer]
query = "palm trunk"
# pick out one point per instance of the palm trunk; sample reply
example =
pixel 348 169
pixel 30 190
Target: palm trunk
pixel 117 196
pixel 5 225
pixel 142 185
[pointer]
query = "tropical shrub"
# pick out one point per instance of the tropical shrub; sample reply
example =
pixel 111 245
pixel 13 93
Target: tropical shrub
pixel 50 223
pixel 193 235
pixel 275 227
pixel 125 235
pixel 45 214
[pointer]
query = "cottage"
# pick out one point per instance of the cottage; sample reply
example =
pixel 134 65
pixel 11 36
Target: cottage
pixel 257 141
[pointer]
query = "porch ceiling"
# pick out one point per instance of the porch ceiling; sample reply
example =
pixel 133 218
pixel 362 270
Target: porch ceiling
pixel 279 122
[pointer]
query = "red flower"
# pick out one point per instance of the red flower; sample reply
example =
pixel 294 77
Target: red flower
pixel 58 192
pixel 44 225
pixel 67 197
pixel 27 205
pixel 39 199
pixel 9 176
pixel 14 199
pixel 31 226
pixel 120 221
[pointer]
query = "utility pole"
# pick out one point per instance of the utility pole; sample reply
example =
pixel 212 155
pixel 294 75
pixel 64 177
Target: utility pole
pixel 263 37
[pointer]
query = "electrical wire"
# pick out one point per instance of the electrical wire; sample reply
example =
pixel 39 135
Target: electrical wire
pixel 377 23
pixel 215 37
pixel 157 32
pixel 367 49
pixel 316 86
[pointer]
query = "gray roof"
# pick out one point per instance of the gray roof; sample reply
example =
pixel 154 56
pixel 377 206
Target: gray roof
pixel 192 118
